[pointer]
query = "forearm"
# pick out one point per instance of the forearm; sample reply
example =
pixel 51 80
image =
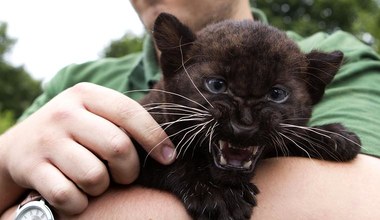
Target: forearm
pixel 133 203
pixel 295 188
pixel 125 203
pixel 290 188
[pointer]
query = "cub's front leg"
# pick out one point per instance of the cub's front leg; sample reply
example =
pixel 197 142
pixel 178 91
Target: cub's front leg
pixel 205 201
pixel 240 201
pixel 328 142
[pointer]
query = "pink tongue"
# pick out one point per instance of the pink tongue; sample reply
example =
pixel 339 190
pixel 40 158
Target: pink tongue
pixel 235 163
pixel 236 156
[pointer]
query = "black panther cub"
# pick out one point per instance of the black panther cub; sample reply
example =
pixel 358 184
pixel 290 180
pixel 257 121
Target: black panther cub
pixel 232 94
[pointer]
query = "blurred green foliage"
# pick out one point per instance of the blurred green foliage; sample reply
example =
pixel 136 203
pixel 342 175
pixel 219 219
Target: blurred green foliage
pixel 7 119
pixel 17 88
pixel 361 18
pixel 127 44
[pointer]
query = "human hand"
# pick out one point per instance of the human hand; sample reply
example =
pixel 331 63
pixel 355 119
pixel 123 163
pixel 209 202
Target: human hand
pixel 60 150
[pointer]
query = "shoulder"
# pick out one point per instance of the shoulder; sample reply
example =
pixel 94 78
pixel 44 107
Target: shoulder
pixel 349 44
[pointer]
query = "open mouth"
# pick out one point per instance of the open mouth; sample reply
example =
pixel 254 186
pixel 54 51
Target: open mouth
pixel 230 157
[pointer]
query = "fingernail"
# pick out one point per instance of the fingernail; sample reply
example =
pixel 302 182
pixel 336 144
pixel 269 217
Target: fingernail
pixel 168 152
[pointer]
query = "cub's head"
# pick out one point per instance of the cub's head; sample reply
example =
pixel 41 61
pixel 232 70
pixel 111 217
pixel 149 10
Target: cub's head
pixel 232 85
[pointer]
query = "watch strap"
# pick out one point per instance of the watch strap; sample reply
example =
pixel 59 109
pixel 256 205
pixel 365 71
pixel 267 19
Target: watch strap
pixel 32 196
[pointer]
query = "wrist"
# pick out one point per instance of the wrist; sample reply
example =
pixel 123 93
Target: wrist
pixel 10 192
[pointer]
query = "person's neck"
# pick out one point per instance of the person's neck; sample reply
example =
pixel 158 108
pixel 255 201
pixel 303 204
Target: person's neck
pixel 243 11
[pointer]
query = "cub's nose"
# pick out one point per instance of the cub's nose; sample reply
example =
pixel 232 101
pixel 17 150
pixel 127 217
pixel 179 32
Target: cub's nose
pixel 243 131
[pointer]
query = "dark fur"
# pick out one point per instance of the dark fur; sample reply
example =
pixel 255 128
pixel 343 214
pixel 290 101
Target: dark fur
pixel 253 59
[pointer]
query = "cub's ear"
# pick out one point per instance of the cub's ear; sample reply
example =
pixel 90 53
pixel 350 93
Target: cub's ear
pixel 321 70
pixel 173 39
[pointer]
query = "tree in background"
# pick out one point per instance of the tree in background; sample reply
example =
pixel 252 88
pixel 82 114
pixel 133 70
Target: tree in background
pixel 129 43
pixel 17 88
pixel 5 42
pixel 362 18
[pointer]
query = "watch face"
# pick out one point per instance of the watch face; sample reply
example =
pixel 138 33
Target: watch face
pixel 35 211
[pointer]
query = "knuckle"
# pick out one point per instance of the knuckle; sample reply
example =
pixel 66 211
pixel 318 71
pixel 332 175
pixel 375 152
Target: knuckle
pixel 81 87
pixel 79 91
pixel 95 177
pixel 61 114
pixel 120 145
pixel 132 177
pixel 60 195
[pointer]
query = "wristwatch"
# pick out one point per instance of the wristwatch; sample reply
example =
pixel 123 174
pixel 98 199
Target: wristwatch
pixel 34 208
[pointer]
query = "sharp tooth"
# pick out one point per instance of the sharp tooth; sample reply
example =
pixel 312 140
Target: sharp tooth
pixel 248 164
pixel 222 144
pixel 233 147
pixel 255 150
pixel 223 160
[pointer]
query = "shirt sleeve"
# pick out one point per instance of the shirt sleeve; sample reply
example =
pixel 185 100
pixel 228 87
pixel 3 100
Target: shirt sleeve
pixel 120 74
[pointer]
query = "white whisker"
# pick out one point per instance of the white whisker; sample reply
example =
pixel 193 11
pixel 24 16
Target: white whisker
pixel 188 75
pixel 191 129
pixel 174 106
pixel 167 92
pixel 170 136
pixel 305 128
pixel 281 143
pixel 311 143
pixel 319 130
pixel 195 135
pixel 212 134
pixel 291 140
pixel 330 132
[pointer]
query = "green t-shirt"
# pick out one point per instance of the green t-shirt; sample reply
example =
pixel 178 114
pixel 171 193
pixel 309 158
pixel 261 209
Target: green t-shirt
pixel 353 98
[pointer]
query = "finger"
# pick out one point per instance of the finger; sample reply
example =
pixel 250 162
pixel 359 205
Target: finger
pixel 110 143
pixel 81 166
pixel 60 192
pixel 129 115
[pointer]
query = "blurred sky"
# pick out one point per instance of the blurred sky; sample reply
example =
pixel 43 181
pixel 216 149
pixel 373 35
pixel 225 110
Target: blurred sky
pixel 54 33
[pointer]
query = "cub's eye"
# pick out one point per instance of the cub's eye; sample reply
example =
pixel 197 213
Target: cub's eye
pixel 216 85
pixel 278 95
